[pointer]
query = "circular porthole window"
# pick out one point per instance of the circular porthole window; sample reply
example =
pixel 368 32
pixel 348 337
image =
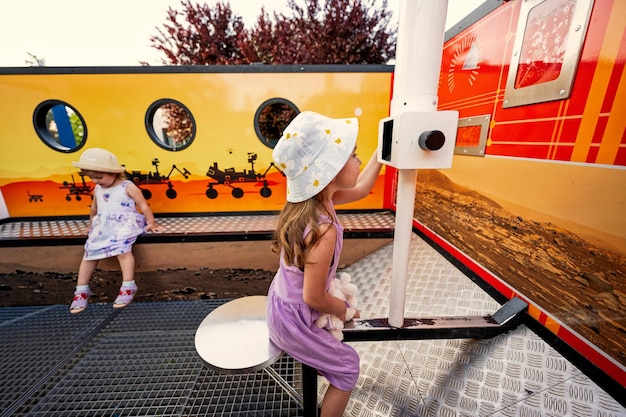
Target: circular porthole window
pixel 170 124
pixel 271 119
pixel 60 126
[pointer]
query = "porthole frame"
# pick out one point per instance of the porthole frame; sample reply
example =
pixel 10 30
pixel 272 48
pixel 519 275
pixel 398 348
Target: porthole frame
pixel 41 129
pixel 271 142
pixel 149 124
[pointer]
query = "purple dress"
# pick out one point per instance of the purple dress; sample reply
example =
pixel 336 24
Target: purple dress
pixel 292 328
pixel 117 224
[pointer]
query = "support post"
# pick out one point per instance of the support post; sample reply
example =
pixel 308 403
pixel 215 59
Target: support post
pixel 421 30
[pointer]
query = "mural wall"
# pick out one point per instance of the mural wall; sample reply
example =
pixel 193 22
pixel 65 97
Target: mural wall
pixel 198 140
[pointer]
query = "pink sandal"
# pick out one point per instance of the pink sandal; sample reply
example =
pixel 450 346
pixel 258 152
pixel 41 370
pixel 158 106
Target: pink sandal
pixel 125 297
pixel 79 303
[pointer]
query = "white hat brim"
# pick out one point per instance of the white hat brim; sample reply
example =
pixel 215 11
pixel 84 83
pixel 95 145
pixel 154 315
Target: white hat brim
pixel 325 166
pixel 89 167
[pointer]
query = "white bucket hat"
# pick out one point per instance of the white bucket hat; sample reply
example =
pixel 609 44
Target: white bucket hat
pixel 312 151
pixel 99 160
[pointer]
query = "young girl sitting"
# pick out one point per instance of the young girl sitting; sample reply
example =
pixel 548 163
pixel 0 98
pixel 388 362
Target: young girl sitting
pixel 317 154
pixel 114 225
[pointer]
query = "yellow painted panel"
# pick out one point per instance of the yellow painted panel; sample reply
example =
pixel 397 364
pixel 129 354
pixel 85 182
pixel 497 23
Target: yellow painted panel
pixel 223 105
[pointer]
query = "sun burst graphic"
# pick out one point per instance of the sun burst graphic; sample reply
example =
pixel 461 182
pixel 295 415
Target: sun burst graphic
pixel 464 65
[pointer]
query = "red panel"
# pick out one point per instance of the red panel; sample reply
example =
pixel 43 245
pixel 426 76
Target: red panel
pixel 620 158
pixel 472 62
pixel 616 75
pixel 570 131
pixel 529 131
pixel 563 153
pixel 474 70
pixel 533 111
pixel 593 154
pixel 521 151
pixel 580 88
pixel 600 128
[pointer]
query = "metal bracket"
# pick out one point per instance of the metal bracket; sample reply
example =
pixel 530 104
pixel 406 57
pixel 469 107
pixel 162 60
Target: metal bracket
pixel 460 327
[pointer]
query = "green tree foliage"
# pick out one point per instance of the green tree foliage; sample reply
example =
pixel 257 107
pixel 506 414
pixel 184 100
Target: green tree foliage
pixel 327 32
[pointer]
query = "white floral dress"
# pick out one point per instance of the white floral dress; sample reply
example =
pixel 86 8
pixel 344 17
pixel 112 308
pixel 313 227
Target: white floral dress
pixel 114 229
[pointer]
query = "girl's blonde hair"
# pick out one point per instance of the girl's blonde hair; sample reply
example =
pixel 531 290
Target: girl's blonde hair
pixel 292 222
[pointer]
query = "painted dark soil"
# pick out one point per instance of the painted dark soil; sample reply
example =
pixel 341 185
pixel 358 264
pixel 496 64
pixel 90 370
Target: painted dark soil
pixel 25 288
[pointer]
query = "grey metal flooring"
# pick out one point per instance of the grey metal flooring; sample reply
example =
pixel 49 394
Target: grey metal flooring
pixel 141 360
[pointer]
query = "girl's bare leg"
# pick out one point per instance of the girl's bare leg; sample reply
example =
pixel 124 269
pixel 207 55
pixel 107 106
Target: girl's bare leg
pixel 127 265
pixel 334 402
pixel 128 289
pixel 82 293
pixel 85 271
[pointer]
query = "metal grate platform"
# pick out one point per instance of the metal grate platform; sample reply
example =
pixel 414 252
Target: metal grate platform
pixel 141 360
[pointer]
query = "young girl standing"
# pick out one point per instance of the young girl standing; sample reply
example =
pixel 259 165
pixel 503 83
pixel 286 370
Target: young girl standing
pixel 317 154
pixel 114 225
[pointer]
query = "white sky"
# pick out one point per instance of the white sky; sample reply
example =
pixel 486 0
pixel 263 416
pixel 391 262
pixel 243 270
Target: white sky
pixel 115 32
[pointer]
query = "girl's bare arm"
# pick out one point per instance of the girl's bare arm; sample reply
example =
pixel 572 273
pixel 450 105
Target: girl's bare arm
pixel 135 193
pixel 93 210
pixel 364 184
pixel 316 273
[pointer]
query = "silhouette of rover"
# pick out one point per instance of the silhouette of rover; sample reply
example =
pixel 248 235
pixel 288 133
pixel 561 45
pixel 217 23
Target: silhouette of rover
pixel 34 198
pixel 150 178
pixel 77 190
pixel 230 178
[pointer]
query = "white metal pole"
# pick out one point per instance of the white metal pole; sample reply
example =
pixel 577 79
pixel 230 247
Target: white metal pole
pixel 421 29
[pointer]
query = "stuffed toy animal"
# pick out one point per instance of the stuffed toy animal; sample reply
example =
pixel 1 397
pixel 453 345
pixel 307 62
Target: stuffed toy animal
pixel 345 290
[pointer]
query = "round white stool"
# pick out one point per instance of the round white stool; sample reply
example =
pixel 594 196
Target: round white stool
pixel 234 338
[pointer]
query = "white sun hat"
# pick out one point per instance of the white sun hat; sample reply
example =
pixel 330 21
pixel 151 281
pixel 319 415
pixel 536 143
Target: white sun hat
pixel 99 160
pixel 312 151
